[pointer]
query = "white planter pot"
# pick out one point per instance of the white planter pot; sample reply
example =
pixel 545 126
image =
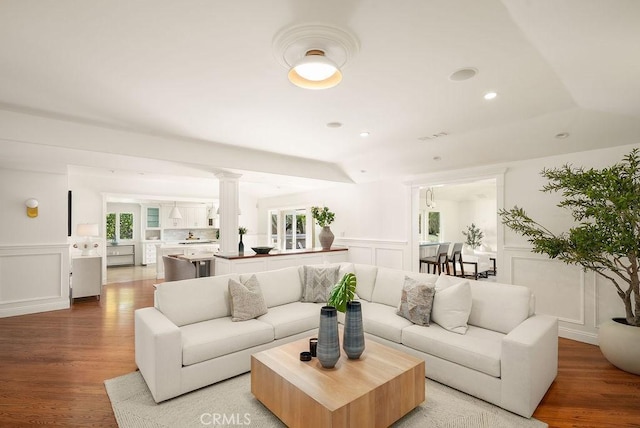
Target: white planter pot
pixel 620 344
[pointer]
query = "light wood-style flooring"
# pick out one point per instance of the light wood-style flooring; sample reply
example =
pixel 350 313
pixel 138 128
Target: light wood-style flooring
pixel 53 364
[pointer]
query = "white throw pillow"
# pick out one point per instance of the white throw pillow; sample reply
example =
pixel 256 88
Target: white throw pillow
pixel 247 301
pixel 446 281
pixel 452 306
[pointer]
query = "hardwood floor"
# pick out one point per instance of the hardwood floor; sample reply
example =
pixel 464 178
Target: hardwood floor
pixel 53 364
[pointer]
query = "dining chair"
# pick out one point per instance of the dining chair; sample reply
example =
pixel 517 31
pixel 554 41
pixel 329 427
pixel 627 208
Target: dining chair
pixel 440 261
pixel 176 269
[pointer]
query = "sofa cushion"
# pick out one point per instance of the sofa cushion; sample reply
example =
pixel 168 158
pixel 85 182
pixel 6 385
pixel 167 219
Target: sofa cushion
pixel 389 282
pixel 194 300
pixel 416 301
pixel 499 307
pixel 221 336
pixel 452 306
pixel 480 349
pixel 382 321
pixel 280 286
pixel 365 280
pixel 247 301
pixel 294 318
pixel 318 282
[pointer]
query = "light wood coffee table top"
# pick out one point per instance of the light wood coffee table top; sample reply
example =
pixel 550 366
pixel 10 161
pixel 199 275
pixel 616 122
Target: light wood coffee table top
pixel 375 390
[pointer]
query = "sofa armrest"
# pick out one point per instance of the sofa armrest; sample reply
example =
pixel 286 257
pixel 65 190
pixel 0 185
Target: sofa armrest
pixel 529 363
pixel 158 353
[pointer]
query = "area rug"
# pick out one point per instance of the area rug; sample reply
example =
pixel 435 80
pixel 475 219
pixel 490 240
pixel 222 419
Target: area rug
pixel 230 403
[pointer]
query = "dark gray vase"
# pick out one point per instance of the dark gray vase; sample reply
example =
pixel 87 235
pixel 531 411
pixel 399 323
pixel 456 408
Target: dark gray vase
pixel 353 340
pixel 326 238
pixel 241 247
pixel 328 350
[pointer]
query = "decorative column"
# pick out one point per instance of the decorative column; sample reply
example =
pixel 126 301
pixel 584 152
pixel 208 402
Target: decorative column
pixel 229 205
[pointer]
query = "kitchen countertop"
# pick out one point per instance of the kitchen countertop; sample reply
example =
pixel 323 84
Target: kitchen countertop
pixel 275 253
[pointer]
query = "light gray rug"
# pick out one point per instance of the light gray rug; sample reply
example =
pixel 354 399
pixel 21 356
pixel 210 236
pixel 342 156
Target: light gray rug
pixel 230 403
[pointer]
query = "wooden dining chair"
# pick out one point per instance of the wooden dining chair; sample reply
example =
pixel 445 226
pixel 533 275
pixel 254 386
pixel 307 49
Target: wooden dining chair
pixel 440 261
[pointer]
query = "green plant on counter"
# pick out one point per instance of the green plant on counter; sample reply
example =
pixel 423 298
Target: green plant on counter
pixel 343 292
pixel 474 236
pixel 322 216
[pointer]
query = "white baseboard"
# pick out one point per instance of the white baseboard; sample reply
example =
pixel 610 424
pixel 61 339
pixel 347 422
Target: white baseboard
pixel 34 308
pixel 580 336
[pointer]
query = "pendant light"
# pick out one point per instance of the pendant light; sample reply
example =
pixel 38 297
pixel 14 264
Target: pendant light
pixel 175 214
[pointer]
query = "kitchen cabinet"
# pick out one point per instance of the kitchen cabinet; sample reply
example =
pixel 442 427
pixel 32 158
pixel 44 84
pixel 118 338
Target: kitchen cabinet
pixel 193 217
pixel 121 255
pixel 149 253
pixel 152 217
pixel 86 276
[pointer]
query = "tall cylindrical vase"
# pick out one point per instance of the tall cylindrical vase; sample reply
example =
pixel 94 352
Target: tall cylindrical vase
pixel 241 247
pixel 328 350
pixel 326 238
pixel 353 339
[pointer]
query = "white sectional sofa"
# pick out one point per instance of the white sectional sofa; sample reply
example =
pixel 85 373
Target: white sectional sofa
pixel 508 355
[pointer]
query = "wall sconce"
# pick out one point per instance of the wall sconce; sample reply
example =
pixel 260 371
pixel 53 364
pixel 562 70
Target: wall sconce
pixel 87 230
pixel 32 207
pixel 431 203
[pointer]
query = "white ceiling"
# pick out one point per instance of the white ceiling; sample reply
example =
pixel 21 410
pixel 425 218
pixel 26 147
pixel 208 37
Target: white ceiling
pixel 202 76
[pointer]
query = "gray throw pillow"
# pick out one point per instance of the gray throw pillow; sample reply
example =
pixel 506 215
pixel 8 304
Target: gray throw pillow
pixel 247 301
pixel 416 301
pixel 318 283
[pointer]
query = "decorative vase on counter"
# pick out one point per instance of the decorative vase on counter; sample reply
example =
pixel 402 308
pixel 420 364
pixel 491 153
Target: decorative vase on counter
pixel 353 339
pixel 328 349
pixel 326 238
pixel 241 246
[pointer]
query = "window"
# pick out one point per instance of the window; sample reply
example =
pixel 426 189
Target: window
pixel 429 226
pixel 288 228
pixel 119 226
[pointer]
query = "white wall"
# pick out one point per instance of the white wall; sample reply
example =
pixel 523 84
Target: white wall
pixel 375 221
pixel 372 219
pixel 34 256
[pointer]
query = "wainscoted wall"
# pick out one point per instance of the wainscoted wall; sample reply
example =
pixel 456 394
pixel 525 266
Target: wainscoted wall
pixel 581 300
pixel 386 253
pixel 33 278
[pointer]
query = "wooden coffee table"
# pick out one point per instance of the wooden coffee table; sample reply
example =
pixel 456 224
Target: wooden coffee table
pixel 373 391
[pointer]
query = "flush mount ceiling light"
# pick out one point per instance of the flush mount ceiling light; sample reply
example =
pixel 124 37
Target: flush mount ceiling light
pixel 315 71
pixel 314 54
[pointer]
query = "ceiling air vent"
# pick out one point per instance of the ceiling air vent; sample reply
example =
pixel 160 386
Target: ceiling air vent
pixel 433 136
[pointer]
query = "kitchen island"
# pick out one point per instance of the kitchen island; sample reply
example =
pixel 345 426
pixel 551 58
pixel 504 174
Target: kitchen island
pixel 251 262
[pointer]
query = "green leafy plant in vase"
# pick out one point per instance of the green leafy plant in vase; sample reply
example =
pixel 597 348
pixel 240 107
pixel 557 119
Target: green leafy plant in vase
pixel 324 218
pixel 474 236
pixel 605 204
pixel 341 298
pixel 343 292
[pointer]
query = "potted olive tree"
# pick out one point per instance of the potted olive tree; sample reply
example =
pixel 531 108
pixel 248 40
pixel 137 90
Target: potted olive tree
pixel 324 218
pixel 605 205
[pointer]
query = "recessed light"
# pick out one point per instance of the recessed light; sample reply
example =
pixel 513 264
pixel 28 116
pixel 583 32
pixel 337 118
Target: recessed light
pixel 364 171
pixel 562 135
pixel 364 134
pixel 333 125
pixel 437 158
pixel 463 74
pixel 490 95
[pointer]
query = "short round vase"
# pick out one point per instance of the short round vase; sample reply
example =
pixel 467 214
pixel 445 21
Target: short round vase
pixel 326 238
pixel 620 344
pixel 328 349
pixel 353 339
